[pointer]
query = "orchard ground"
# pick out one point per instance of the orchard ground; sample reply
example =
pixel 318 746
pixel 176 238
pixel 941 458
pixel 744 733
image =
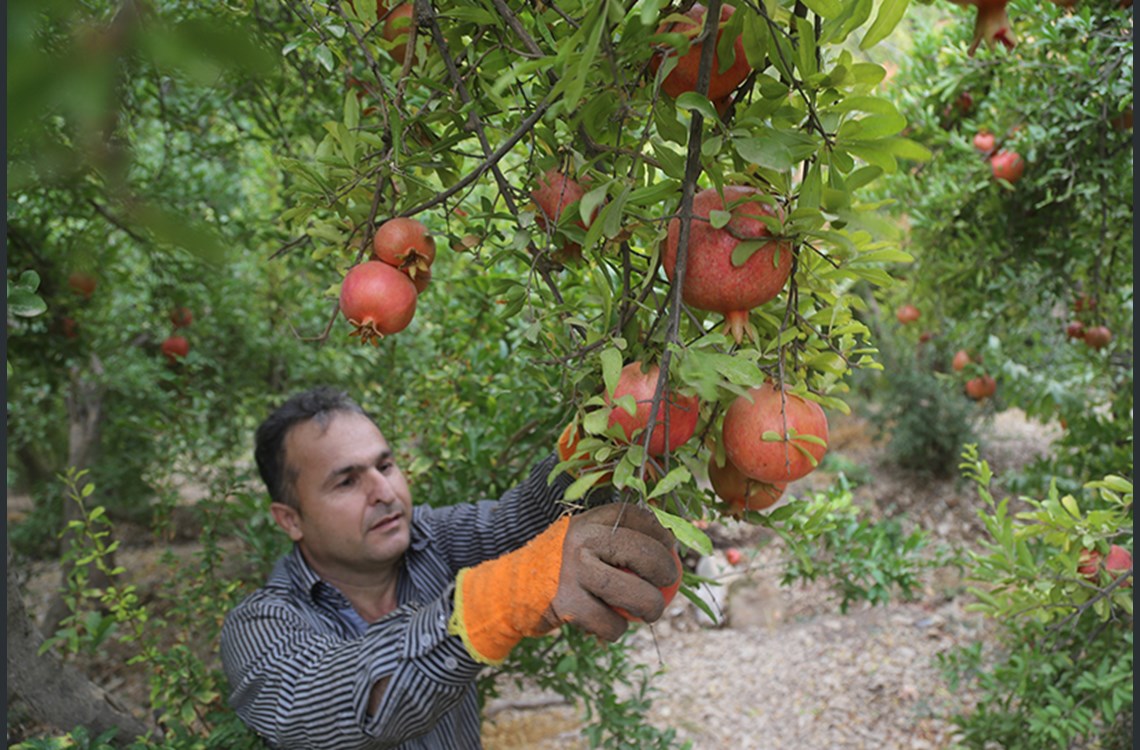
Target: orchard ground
pixel 785 668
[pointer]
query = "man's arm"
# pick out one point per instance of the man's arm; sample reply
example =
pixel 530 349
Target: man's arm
pixel 471 533
pixel 300 688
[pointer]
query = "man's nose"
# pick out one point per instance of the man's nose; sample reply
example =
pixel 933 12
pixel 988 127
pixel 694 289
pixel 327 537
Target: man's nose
pixel 382 490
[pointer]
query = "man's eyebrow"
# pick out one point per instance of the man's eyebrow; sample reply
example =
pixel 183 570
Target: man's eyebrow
pixel 343 471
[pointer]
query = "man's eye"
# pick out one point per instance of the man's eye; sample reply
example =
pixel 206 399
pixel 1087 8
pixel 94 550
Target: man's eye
pixel 348 481
pixel 387 467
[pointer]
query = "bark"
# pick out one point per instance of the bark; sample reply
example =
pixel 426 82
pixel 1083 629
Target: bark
pixel 56 693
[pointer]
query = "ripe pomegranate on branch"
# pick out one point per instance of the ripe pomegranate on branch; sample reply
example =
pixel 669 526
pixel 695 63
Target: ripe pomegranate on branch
pixel 991 24
pixel 716 279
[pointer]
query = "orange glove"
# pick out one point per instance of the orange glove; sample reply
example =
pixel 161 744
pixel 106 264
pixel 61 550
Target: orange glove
pixel 572 572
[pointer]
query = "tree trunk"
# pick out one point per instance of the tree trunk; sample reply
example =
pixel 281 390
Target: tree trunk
pixel 84 414
pixel 56 692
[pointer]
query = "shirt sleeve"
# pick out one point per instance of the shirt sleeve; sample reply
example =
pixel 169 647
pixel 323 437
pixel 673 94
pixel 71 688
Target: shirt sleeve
pixel 468 534
pixel 300 688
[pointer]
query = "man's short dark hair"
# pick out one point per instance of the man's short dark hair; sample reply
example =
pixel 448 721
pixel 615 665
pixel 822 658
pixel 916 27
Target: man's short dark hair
pixel 321 404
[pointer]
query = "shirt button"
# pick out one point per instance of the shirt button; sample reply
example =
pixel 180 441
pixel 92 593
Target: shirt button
pixel 450 662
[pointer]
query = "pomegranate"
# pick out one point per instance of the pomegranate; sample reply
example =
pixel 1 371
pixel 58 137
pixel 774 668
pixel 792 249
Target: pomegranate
pixel 405 244
pixel 991 25
pixel 741 491
pixel 961 360
pixel 1118 562
pixel 684 77
pixel 70 328
pixel 682 414
pixel 774 435
pixel 1008 166
pixel 733 556
pixel 397 27
pixel 981 387
pixel 1075 330
pixel 712 282
pixel 1085 302
pixel 667 592
pixel 175 348
pixel 1098 337
pixel 552 195
pixel 377 299
pixel 181 317
pixel 984 141
pixel 907 314
pixel 82 284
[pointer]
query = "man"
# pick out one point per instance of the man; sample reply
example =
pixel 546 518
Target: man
pixel 371 632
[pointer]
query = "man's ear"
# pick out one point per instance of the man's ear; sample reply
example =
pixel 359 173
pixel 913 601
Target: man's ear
pixel 288 518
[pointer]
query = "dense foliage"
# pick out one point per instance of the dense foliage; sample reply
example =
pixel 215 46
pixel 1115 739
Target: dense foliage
pixel 235 161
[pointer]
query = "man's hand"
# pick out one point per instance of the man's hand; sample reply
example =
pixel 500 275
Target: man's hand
pixel 576 571
pixel 615 555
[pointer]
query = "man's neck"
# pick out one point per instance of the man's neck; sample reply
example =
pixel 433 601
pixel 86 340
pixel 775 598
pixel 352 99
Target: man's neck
pixel 372 596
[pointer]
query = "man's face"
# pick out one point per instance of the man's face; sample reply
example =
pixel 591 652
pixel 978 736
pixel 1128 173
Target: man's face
pixel 355 506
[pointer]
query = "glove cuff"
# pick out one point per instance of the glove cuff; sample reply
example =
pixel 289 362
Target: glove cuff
pixel 502 601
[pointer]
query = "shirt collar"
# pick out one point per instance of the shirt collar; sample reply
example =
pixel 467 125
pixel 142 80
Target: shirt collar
pixel 295 572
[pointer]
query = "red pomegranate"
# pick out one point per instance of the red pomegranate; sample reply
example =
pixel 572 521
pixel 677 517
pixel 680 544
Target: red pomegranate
pixel 405 244
pixel 774 435
pixel 991 25
pixel 377 299
pixel 682 414
pixel 397 27
pixel 175 348
pixel 1075 329
pixel 181 317
pixel 741 491
pixel 684 77
pixel 552 195
pixel 1118 562
pixel 981 387
pixel 1008 166
pixel 82 284
pixel 907 314
pixel 1098 337
pixel 960 361
pixel 984 141
pixel 712 282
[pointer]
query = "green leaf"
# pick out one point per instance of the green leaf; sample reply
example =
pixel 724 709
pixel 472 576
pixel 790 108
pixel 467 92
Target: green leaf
pixel 686 533
pixel 611 368
pixel 691 100
pixel 890 13
pixel 612 220
pixel 824 8
pixel 677 476
pixel 580 486
pixel 745 250
pixel 719 219
pixel 325 58
pixel 24 303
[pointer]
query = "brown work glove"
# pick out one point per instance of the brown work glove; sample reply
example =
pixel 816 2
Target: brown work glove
pixel 576 571
pixel 616 555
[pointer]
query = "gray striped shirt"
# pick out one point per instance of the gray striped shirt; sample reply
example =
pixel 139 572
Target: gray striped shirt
pixel 301 662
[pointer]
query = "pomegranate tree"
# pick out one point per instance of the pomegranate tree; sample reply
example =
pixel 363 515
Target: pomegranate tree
pixel 740 491
pixel 684 77
pixel 774 435
pixel 377 299
pixel 712 280
pixel 405 244
pixel 681 415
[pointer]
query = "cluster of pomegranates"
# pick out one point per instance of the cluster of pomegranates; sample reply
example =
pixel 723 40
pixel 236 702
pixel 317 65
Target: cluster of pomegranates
pixel 378 297
pixel 1093 336
pixel 982 385
pixel 1005 164
pixel 176 346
